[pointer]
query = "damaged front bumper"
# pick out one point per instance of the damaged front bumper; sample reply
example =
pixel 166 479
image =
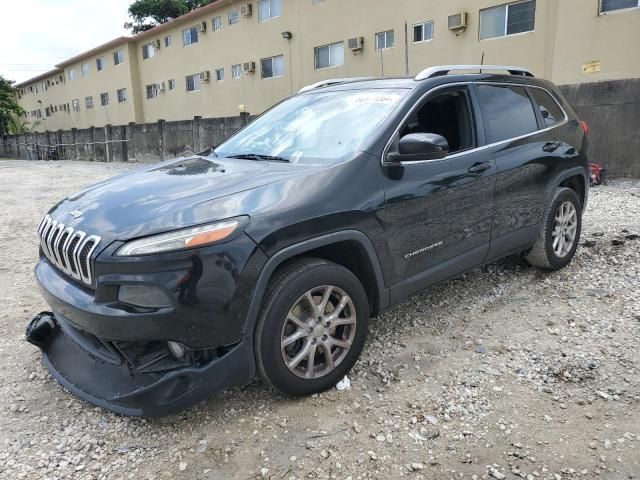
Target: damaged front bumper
pixel 134 378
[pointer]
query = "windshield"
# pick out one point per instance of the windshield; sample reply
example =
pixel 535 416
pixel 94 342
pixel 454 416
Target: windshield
pixel 318 126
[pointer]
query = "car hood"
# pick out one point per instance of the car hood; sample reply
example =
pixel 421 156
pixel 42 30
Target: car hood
pixel 170 195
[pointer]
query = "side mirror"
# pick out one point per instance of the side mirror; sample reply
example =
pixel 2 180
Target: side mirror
pixel 420 146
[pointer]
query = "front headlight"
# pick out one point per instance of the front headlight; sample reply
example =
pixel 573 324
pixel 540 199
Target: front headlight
pixel 181 239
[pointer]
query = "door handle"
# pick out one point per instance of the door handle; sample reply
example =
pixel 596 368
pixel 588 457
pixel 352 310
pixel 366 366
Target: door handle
pixel 479 167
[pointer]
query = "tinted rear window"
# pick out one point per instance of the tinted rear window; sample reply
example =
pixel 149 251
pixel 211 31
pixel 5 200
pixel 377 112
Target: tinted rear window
pixel 508 112
pixel 549 108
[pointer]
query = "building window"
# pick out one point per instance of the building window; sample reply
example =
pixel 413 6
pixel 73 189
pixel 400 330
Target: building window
pixel 118 57
pixel 329 55
pixel 384 40
pixel 75 105
pixel 122 95
pixel 193 82
pixel 104 99
pixel 172 84
pixel 100 64
pixel 88 102
pixel 84 68
pixel 189 36
pixel 219 74
pixel 148 51
pixel 268 9
pixel 236 71
pixel 152 91
pixel 423 32
pixel 167 41
pixel 272 66
pixel 507 19
pixel 612 5
pixel 217 24
pixel 234 17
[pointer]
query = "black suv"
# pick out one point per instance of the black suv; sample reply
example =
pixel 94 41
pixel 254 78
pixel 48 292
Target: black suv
pixel 269 252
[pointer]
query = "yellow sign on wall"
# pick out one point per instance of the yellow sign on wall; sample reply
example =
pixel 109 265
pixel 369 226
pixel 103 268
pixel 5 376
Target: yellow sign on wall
pixel 592 66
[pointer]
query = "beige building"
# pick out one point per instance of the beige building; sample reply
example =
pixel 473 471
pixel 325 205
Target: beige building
pixel 235 55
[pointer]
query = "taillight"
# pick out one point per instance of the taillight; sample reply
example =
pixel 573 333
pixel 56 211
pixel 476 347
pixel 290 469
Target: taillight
pixel 585 127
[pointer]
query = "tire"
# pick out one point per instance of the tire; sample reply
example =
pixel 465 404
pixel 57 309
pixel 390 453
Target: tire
pixel 547 252
pixel 287 309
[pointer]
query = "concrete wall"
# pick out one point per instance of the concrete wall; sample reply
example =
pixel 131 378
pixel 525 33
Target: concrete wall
pixel 612 110
pixel 147 142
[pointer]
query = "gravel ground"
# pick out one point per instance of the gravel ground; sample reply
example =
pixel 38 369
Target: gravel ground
pixel 505 372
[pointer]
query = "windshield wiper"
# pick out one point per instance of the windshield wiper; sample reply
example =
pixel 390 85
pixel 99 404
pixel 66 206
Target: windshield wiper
pixel 257 156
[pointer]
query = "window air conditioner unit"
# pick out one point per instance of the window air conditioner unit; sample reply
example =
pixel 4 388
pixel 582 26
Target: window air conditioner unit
pixel 156 44
pixel 246 10
pixel 205 76
pixel 202 27
pixel 457 21
pixel 249 67
pixel 356 44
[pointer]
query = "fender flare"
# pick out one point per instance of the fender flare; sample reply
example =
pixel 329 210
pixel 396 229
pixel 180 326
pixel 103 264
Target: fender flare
pixel 563 175
pixel 307 245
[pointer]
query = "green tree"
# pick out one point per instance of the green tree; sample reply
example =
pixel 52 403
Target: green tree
pixel 19 124
pixel 9 107
pixel 147 14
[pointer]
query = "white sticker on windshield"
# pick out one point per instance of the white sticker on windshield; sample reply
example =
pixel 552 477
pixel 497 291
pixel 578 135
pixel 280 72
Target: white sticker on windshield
pixel 376 98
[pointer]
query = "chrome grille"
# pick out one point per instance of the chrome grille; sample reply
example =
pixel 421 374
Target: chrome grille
pixel 68 249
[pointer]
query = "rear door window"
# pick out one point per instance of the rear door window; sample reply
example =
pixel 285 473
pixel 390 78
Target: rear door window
pixel 549 108
pixel 508 112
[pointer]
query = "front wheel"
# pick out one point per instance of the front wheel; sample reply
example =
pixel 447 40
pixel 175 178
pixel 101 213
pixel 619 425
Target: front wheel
pixel 312 327
pixel 559 234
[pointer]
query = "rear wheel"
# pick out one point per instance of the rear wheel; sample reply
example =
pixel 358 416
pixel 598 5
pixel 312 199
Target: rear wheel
pixel 312 327
pixel 559 235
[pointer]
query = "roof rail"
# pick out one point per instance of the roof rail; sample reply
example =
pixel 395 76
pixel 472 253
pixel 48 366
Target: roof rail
pixel 333 81
pixel 439 71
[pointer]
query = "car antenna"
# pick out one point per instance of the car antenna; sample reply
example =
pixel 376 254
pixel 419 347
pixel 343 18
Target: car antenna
pixel 482 61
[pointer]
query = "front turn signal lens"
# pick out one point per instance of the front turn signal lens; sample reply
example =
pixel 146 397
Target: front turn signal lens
pixel 211 236
pixel 181 239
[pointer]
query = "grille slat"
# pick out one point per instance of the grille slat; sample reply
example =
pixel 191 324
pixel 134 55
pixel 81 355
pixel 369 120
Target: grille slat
pixel 68 249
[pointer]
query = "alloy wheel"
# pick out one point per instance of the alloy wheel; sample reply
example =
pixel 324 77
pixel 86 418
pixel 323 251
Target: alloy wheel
pixel 318 332
pixel 565 226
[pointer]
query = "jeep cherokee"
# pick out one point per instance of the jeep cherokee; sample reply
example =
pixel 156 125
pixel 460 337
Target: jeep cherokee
pixel 269 253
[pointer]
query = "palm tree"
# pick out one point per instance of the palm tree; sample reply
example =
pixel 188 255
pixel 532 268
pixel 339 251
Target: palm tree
pixel 18 124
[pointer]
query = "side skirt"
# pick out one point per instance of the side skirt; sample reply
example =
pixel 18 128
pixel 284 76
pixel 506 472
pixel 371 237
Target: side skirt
pixel 440 272
pixel 512 243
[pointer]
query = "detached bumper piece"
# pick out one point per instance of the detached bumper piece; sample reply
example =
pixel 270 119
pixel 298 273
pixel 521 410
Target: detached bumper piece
pixel 137 379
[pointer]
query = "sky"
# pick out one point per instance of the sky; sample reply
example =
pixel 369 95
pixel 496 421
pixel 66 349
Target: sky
pixel 37 34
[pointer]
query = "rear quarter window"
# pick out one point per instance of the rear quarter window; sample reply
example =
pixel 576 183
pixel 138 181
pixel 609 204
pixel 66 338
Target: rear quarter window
pixel 549 108
pixel 507 110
